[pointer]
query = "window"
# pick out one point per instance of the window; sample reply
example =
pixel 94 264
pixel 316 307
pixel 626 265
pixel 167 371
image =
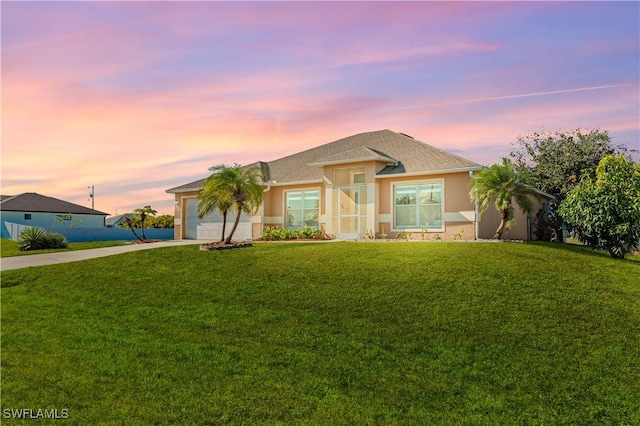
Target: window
pixel 303 209
pixel 418 206
pixel 27 216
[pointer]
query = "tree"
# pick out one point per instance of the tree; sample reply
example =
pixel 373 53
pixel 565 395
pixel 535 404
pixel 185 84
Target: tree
pixel 143 213
pixel 216 193
pixel 555 162
pixel 162 221
pixel 139 215
pixel 500 185
pixel 131 225
pixel 246 194
pixel 605 210
pixel 231 187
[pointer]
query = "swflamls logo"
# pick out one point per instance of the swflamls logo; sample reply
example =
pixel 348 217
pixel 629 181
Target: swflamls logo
pixel 38 413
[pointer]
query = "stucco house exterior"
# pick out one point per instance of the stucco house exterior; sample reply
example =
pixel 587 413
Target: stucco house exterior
pixel 375 182
pixel 32 209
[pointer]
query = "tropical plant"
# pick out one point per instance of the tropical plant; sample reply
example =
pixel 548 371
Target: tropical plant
pixel 35 238
pixel 32 239
pixel 500 185
pixel 216 193
pixel 605 210
pixel 231 187
pixel 129 221
pixel 143 213
pixel 247 193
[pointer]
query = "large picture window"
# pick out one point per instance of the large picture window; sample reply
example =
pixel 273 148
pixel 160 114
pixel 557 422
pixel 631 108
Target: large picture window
pixel 418 206
pixel 303 209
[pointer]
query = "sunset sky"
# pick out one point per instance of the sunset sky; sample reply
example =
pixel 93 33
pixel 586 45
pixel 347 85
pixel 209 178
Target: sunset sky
pixel 138 97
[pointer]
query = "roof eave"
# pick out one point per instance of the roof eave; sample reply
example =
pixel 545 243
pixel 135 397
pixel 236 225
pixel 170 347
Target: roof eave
pixel 181 190
pixel 383 159
pixel 431 172
pixel 298 182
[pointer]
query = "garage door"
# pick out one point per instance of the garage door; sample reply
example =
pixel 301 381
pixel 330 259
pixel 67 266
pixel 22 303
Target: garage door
pixel 210 226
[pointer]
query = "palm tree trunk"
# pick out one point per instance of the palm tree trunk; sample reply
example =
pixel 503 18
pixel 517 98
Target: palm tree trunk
pixel 142 219
pixel 130 225
pixel 235 225
pixel 224 223
pixel 504 217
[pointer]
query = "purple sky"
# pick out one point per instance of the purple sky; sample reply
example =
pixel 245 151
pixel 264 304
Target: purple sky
pixel 139 97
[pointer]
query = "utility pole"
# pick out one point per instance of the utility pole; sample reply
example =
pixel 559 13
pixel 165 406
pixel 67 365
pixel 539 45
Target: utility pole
pixel 91 196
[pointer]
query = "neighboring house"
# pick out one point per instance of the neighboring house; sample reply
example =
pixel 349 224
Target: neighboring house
pixel 33 209
pixel 356 186
pixel 116 221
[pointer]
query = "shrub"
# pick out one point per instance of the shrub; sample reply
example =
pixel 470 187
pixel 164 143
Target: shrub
pixel 56 240
pixel 38 239
pixel 272 233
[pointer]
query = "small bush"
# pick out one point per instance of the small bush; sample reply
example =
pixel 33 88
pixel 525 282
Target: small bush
pixel 38 239
pixel 56 240
pixel 280 234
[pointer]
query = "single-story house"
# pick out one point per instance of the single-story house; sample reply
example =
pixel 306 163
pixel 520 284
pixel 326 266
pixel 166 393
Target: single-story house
pixel 379 182
pixel 32 209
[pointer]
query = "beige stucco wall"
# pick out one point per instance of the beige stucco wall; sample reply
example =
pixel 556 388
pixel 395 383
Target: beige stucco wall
pixel 458 208
pixel 370 170
pixel 490 220
pixel 179 213
pixel 459 211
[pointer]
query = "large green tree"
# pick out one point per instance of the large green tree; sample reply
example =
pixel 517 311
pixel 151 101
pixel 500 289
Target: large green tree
pixel 500 185
pixel 231 187
pixel 604 210
pixel 555 162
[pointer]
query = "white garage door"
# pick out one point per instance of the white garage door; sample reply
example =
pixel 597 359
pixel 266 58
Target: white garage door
pixel 210 226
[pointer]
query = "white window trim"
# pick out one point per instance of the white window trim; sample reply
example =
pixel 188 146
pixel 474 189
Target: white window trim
pixel 284 202
pixel 392 199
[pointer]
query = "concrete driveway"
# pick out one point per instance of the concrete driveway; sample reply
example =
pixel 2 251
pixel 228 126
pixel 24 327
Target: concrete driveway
pixel 18 262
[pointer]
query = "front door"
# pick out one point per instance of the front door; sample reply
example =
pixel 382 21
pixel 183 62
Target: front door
pixel 349 212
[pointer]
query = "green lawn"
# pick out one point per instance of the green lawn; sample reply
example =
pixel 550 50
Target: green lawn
pixel 329 333
pixel 9 248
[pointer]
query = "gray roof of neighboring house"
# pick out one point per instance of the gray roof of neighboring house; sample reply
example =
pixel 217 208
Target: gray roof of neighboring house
pixel 116 220
pixel 403 153
pixel 32 202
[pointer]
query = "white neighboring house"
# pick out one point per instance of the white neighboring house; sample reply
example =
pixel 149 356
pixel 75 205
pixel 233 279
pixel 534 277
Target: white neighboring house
pixel 32 209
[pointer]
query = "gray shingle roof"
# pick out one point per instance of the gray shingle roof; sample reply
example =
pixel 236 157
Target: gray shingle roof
pixel 116 220
pixel 362 153
pixel 408 155
pixel 32 202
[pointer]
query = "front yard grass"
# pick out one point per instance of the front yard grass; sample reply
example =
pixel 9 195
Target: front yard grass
pixel 335 333
pixel 9 248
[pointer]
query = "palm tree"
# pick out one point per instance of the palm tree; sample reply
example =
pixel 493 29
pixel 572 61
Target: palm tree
pixel 246 194
pixel 143 213
pixel 231 187
pixel 131 226
pixel 499 184
pixel 216 194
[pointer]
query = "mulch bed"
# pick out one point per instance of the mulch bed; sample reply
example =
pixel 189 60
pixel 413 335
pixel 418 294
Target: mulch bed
pixel 220 245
